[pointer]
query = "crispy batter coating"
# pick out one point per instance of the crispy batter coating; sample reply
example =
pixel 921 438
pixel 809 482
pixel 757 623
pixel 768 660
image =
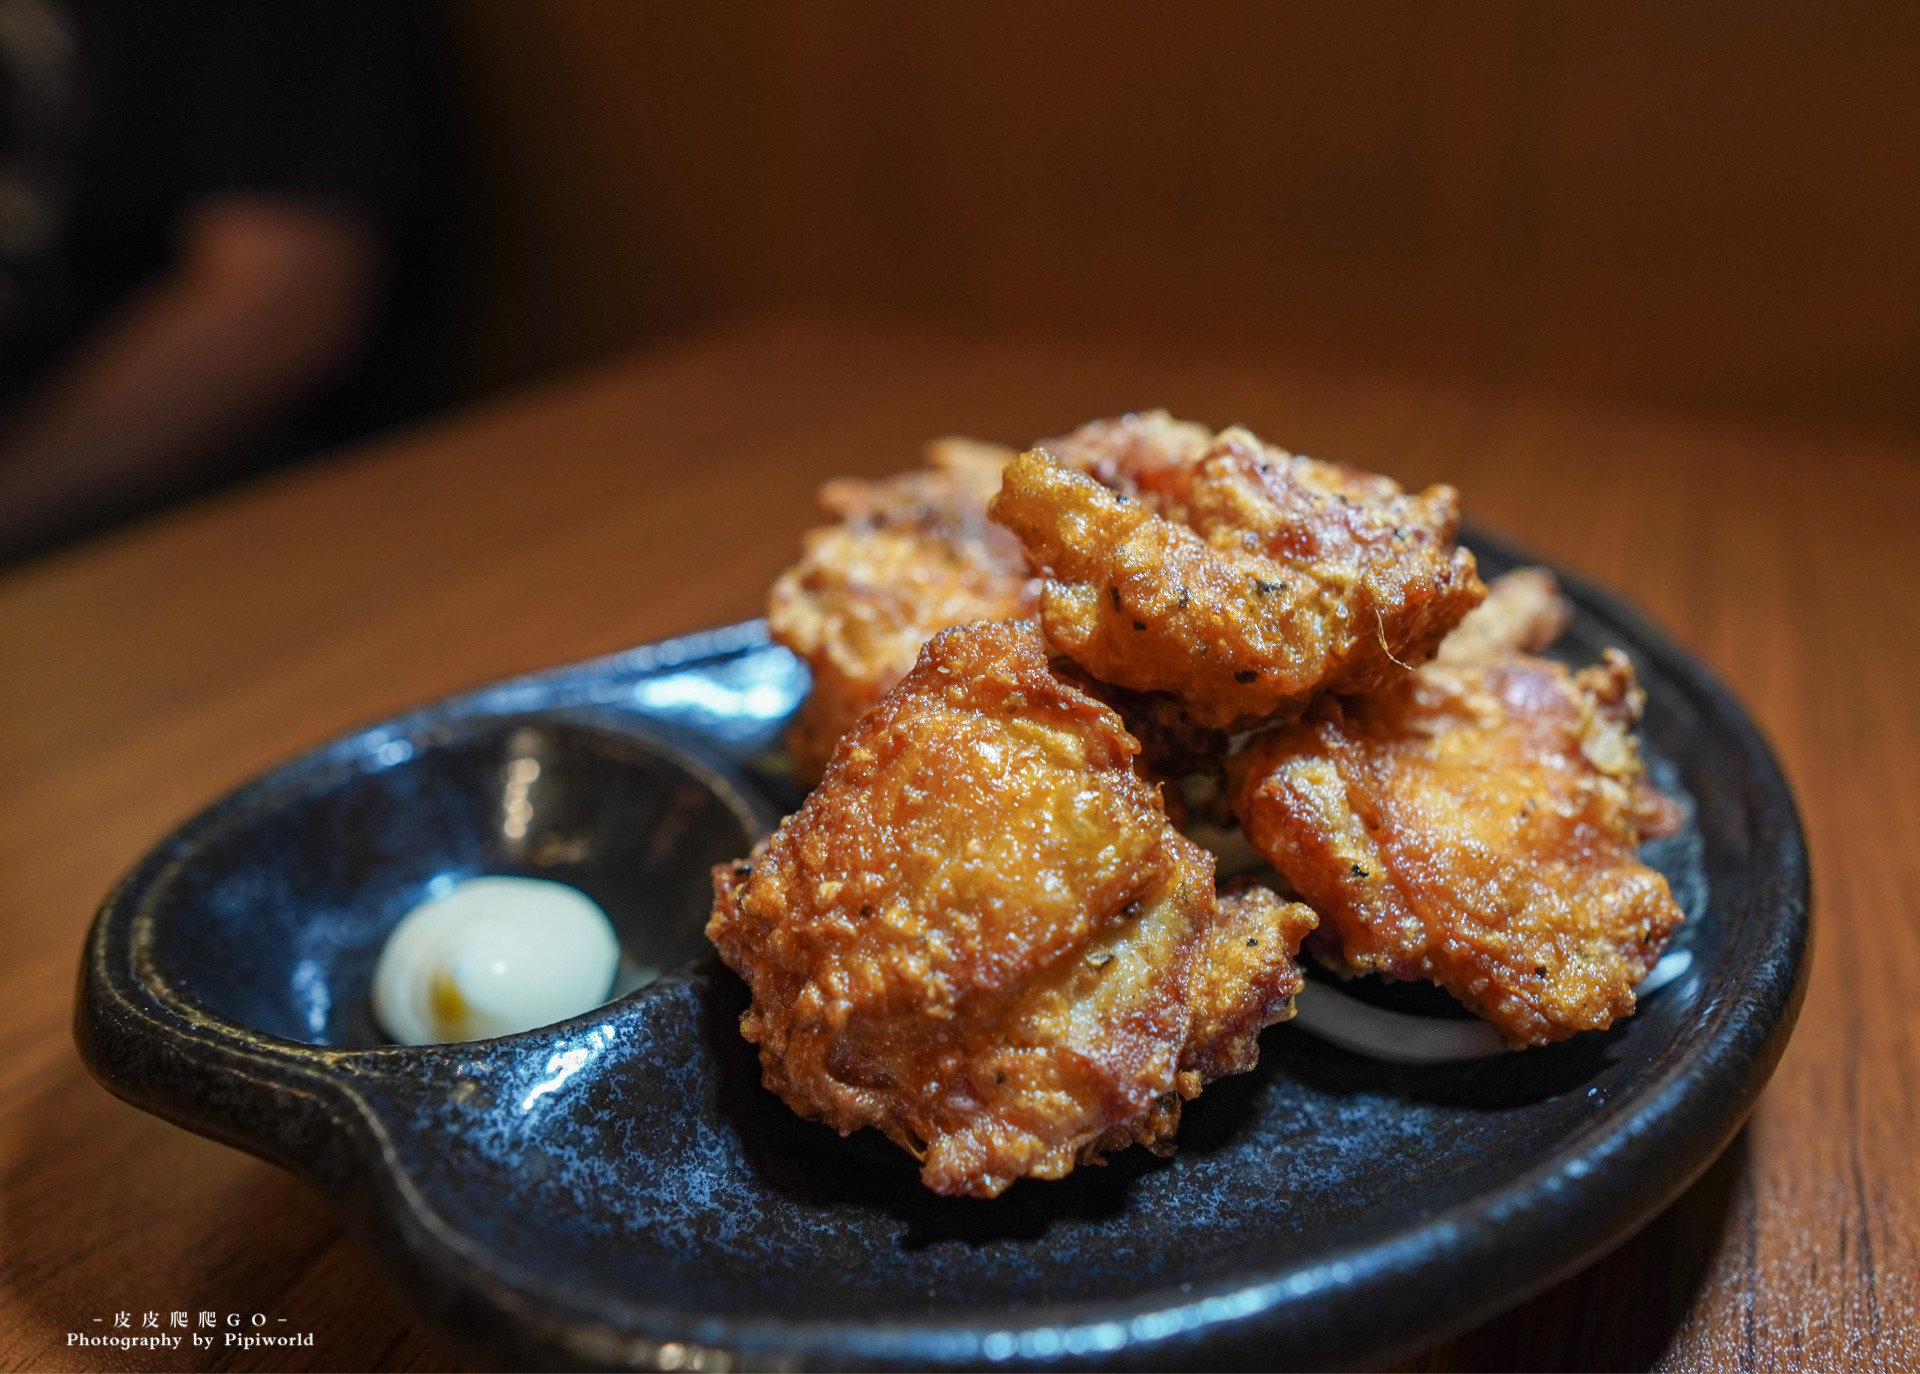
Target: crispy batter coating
pixel 911 554
pixel 951 489
pixel 1247 980
pixel 980 934
pixel 1288 577
pixel 1523 613
pixel 1146 456
pixel 1476 824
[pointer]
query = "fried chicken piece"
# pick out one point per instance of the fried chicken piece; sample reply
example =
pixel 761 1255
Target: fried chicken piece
pixel 1523 613
pixel 951 489
pixel 980 934
pixel 1289 577
pixel 911 554
pixel 1146 456
pixel 1476 824
pixel 1246 983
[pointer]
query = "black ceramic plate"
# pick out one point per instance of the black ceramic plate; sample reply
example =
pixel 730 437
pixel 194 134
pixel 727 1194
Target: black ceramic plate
pixel 619 1189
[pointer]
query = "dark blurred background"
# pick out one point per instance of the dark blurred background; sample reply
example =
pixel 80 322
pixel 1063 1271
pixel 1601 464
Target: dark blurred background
pixel 1685 204
pixel 1696 203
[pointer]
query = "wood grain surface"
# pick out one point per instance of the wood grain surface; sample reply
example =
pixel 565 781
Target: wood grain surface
pixel 145 674
pixel 1709 202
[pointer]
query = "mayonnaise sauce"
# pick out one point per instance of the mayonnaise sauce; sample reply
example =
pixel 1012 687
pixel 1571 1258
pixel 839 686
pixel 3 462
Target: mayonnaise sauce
pixel 493 956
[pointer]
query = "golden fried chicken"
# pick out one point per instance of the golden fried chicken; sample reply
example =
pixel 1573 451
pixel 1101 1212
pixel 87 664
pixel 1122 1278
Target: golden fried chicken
pixel 1476 824
pixel 1146 456
pixel 950 489
pixel 1523 613
pixel 911 554
pixel 1246 981
pixel 980 934
pixel 1287 577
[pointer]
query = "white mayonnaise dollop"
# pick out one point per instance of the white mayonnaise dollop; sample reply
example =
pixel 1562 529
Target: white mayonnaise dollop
pixel 492 957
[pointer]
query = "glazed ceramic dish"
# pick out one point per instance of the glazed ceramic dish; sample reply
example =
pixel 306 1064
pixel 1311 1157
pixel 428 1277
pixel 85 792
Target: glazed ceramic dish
pixel 618 1190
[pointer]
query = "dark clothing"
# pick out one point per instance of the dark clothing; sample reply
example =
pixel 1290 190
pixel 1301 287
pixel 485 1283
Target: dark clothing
pixel 149 106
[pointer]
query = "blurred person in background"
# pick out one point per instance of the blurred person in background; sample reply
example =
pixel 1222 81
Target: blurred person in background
pixel 226 240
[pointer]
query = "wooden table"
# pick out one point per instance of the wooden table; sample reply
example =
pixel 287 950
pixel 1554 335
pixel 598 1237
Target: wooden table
pixel 144 674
